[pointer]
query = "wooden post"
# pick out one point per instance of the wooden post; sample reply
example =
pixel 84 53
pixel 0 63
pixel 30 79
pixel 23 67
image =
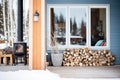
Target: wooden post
pixel 37 36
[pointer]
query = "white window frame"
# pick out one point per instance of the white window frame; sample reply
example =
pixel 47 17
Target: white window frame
pixel 49 30
pixel 107 6
pixel 77 46
pixel 88 25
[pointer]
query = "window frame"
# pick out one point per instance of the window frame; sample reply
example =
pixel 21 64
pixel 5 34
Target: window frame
pixel 107 6
pixel 78 46
pixel 60 47
pixel 88 25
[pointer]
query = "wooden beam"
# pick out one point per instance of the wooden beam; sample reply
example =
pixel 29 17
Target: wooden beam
pixel 37 36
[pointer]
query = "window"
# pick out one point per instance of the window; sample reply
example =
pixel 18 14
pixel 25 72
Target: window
pixel 58 25
pixel 78 25
pixel 75 26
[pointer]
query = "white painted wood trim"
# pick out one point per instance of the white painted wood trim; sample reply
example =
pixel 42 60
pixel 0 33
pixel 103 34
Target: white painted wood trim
pixel 107 6
pixel 31 33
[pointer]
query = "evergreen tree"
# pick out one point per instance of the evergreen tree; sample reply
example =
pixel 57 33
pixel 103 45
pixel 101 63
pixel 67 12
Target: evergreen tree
pixel 61 18
pixel 83 29
pixel 74 28
pixel 56 19
pixel 70 25
pixel 1 20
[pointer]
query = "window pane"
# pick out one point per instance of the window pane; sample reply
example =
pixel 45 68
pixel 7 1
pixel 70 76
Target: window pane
pixel 98 26
pixel 58 25
pixel 77 41
pixel 61 41
pixel 78 26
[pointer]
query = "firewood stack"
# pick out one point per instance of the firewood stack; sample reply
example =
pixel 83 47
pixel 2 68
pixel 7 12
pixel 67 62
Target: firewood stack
pixel 87 57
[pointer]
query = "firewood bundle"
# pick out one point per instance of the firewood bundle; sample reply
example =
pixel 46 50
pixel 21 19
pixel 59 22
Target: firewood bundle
pixel 87 57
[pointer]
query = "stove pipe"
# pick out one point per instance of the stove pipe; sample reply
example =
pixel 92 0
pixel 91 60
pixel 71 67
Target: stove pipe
pixel 20 20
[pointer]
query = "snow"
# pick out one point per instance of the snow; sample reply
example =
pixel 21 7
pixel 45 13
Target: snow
pixel 28 75
pixel 39 75
pixel 2 45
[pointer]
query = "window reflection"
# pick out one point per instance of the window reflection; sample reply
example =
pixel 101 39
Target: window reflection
pixel 61 41
pixel 78 26
pixel 58 25
pixel 77 41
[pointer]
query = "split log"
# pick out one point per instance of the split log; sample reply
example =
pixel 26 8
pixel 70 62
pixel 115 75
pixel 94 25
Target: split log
pixel 87 57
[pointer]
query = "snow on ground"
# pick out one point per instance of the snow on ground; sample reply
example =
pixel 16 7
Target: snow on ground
pixel 38 75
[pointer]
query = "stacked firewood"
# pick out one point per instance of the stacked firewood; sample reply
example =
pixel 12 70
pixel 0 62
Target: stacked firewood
pixel 87 57
pixel 2 41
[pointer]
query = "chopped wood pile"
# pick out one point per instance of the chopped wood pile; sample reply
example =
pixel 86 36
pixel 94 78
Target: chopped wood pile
pixel 87 57
pixel 2 41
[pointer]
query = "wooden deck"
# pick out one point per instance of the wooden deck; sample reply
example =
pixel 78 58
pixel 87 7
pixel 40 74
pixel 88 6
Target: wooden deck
pixel 87 72
pixel 106 72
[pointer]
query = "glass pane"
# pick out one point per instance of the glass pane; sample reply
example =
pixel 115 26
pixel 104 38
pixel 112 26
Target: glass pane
pixel 61 41
pixel 58 25
pixel 98 26
pixel 77 41
pixel 78 19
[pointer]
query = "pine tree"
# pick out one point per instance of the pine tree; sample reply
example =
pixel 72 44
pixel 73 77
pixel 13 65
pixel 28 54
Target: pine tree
pixel 74 28
pixel 1 20
pixel 61 18
pixel 56 20
pixel 71 26
pixel 83 29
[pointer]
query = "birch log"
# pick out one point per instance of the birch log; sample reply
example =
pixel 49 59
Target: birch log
pixel 87 57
